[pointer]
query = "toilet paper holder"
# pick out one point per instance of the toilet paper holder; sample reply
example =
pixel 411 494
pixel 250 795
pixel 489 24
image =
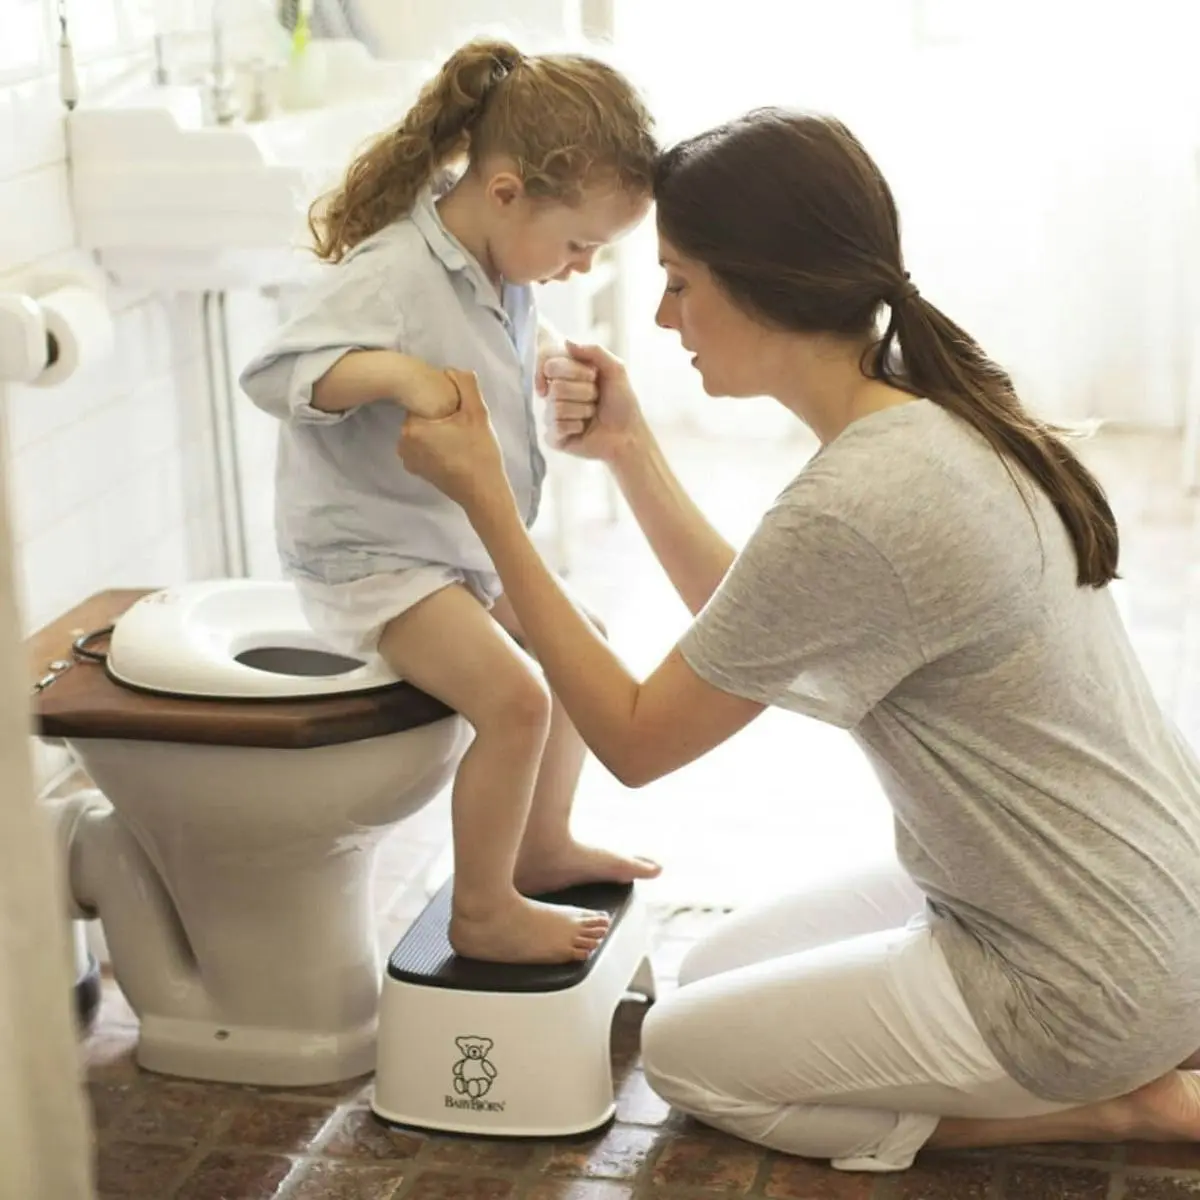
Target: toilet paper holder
pixel 28 347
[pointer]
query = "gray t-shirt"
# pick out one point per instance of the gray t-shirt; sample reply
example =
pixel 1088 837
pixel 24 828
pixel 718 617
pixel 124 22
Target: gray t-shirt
pixel 900 588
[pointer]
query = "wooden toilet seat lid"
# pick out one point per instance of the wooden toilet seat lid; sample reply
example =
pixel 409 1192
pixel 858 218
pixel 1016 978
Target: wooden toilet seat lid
pixel 82 701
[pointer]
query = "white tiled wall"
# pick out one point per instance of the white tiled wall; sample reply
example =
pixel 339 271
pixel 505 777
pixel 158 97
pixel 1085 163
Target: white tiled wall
pixel 111 474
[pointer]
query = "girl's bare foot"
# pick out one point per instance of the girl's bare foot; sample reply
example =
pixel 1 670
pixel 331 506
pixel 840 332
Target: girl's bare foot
pixel 526 931
pixel 542 869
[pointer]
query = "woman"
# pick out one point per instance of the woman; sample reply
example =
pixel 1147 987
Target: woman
pixel 935 581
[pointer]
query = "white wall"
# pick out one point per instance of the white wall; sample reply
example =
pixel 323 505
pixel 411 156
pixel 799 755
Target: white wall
pixel 1045 158
pixel 111 475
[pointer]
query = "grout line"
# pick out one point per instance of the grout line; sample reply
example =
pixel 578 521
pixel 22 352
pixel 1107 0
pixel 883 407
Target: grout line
pixel 758 1185
pixel 1116 1185
pixel 313 1151
pixel 1120 1173
pixel 998 1184
pixel 886 1187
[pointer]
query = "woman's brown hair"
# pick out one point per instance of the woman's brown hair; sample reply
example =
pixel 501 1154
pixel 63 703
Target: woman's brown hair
pixel 565 120
pixel 797 224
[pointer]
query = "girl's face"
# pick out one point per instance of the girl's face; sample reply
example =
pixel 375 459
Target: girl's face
pixel 536 241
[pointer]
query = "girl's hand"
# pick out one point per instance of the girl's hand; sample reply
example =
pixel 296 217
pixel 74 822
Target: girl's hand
pixel 426 391
pixel 458 454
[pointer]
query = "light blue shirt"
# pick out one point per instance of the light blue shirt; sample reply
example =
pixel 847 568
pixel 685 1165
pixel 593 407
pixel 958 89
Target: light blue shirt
pixel 345 507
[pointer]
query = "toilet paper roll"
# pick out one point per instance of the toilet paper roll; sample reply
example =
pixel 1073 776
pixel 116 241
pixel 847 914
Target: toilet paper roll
pixel 79 332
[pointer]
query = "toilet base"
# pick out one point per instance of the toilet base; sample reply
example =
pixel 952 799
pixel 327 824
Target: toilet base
pixel 245 1054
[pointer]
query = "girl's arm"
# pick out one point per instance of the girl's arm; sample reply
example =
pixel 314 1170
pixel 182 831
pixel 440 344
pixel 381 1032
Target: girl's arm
pixel 362 376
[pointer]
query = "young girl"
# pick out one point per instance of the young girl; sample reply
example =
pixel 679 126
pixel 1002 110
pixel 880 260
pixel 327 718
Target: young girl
pixel 559 156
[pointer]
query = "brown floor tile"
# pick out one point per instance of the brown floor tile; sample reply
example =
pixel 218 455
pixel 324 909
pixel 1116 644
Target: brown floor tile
pixel 171 1112
pixel 944 1178
pixel 626 1037
pixel 346 1181
pixel 576 1189
pixel 107 1100
pixel 452 1185
pixel 478 1154
pixel 708 1160
pixel 341 1089
pixel 1182 1156
pixel 1033 1181
pixel 339 1092
pixel 330 1094
pixel 358 1134
pixel 638 1104
pixel 1095 1151
pixel 137 1171
pixel 619 1154
pixel 225 1176
pixel 799 1179
pixel 624 1067
pixel 1161 1187
pixel 274 1123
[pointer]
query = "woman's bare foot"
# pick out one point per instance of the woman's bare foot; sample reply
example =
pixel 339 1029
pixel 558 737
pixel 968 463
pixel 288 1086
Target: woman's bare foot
pixel 1167 1110
pixel 526 931
pixel 551 868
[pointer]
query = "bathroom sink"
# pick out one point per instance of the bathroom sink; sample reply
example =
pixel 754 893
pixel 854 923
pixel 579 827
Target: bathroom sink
pixel 171 203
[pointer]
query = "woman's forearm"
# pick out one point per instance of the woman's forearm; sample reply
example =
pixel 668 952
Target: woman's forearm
pixel 693 554
pixel 594 685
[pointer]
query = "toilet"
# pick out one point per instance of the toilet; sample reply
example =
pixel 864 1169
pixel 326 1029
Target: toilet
pixel 246 776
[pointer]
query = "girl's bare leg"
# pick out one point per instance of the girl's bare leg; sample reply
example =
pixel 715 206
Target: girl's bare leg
pixel 449 646
pixel 549 857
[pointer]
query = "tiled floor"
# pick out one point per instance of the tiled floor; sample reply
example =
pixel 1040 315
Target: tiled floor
pixel 160 1139
pixel 171 1140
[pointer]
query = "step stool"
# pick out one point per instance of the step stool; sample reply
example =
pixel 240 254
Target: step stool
pixel 502 1050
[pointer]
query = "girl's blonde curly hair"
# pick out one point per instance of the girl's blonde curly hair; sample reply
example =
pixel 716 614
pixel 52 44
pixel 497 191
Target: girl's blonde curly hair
pixel 566 120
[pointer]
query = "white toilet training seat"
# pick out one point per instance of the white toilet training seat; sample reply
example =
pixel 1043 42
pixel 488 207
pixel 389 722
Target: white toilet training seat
pixel 232 639
pixel 230 849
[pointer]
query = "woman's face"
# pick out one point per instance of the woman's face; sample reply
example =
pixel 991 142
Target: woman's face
pixel 727 344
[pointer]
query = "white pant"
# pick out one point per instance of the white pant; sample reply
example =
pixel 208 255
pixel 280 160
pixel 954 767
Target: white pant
pixel 827 1024
pixel 350 617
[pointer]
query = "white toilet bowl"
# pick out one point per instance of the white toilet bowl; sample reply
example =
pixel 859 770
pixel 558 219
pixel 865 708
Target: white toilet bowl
pixel 248 776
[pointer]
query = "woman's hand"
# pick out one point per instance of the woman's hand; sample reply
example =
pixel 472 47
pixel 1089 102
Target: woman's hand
pixel 596 419
pixel 458 454
pixel 425 391
pixel 553 348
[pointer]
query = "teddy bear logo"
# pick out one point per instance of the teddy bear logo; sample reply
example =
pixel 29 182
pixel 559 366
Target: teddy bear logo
pixel 473 1074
